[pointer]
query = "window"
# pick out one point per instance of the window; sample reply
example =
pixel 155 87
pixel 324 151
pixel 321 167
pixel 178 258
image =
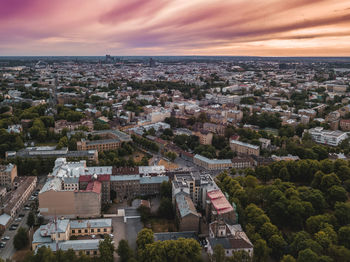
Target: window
pixel 86 230
pixel 92 230
pixel 95 252
pixel 79 231
pixel 73 231
pixel 98 230
pixel 87 252
pixel 105 230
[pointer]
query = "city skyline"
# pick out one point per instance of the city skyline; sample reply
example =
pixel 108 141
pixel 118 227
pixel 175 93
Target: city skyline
pixel 162 27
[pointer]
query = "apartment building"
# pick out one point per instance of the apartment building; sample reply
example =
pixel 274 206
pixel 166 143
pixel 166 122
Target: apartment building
pixel 218 208
pixel 205 137
pixel 64 229
pixel 15 200
pixel 111 140
pixel 52 152
pixel 8 173
pixel 344 124
pixel 244 148
pixel 195 184
pixel 187 218
pixel 214 128
pixel 327 137
pixel 212 164
pixel 242 162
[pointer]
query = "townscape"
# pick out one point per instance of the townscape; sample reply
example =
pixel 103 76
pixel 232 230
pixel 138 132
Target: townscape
pixel 174 158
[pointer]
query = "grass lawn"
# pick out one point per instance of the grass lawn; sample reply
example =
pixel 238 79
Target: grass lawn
pixel 162 225
pixel 21 254
pixel 168 165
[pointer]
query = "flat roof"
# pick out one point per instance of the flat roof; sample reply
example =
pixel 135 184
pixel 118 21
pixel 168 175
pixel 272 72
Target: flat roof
pixel 212 161
pixel 244 144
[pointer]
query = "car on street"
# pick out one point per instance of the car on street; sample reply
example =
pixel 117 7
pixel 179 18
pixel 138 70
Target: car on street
pixel 18 219
pixel 2 245
pixel 5 238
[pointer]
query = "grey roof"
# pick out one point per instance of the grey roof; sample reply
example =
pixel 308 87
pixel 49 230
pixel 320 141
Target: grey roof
pixel 229 242
pixel 71 180
pixel 131 212
pixel 125 177
pixel 153 179
pixel 224 242
pixel 76 245
pixel 102 141
pixel 213 161
pixel 175 235
pixel 99 170
pixel 93 223
pixel 244 144
pixel 52 184
pixel 4 219
pixel 185 205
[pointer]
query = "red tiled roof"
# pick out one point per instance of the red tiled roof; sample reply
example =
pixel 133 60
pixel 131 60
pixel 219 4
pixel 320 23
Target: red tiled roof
pixel 94 186
pixel 88 178
pixel 219 201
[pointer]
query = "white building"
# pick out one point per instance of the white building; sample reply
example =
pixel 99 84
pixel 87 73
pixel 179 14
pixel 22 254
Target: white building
pixel 327 137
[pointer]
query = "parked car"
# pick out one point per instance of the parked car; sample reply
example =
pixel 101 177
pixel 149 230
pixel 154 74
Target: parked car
pixel 2 245
pixel 5 238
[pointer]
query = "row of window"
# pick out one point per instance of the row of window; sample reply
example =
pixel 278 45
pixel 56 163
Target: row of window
pixel 79 231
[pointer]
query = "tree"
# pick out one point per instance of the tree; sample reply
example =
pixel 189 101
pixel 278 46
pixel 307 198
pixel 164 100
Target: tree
pixel 288 258
pixel 171 156
pixel 165 189
pixel 337 193
pixel 278 246
pixel 145 213
pixel 21 239
pixel 165 209
pixel 106 249
pixel 261 250
pixel 124 251
pixel 344 236
pixel 342 213
pixel 31 219
pixel 307 255
pixel 144 237
pixel 264 173
pixel 219 253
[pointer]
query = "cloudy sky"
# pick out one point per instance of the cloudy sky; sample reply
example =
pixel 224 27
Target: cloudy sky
pixel 175 27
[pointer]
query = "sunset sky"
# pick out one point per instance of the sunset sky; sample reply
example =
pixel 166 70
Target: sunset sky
pixel 175 27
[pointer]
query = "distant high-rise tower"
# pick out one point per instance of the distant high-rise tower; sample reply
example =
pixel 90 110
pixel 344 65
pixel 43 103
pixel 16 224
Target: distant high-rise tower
pixel 109 59
pixel 152 63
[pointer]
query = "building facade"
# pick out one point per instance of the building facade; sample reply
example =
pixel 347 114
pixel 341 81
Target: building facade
pixel 8 174
pixel 244 148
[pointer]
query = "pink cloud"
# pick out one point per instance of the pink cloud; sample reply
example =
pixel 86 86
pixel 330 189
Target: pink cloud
pixel 84 27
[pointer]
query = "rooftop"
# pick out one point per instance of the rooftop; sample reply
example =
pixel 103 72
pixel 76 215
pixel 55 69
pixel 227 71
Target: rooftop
pixel 219 201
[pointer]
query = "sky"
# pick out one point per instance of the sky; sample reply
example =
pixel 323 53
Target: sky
pixel 175 27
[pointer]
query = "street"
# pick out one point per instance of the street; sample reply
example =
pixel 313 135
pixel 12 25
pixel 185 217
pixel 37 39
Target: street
pixel 8 251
